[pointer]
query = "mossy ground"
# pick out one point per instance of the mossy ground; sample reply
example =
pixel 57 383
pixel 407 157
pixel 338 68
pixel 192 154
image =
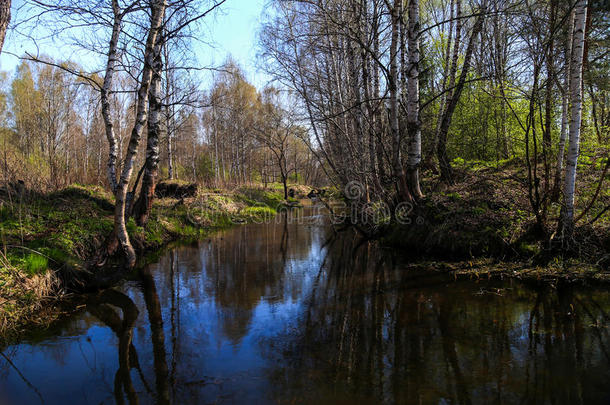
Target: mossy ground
pixel 46 237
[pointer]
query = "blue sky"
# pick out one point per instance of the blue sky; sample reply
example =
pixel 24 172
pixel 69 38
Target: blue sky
pixel 235 30
pixel 232 31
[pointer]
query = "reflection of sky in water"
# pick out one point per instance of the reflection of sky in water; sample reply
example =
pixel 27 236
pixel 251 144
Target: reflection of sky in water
pixel 259 313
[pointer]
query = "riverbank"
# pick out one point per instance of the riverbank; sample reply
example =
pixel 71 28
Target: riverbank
pixel 481 269
pixel 48 240
pixel 487 214
pixel 480 227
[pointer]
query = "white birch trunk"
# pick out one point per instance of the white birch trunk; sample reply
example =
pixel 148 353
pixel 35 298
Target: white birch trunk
pixel 564 109
pixel 143 205
pixel 398 172
pixel 105 95
pixel 120 230
pixel 578 42
pixel 413 122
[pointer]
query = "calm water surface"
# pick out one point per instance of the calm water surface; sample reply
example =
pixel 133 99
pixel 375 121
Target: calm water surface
pixel 292 313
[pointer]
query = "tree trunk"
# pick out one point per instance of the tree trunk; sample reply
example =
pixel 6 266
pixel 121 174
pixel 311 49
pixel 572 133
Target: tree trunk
pixel 285 184
pixel 548 109
pixel 168 115
pixel 564 113
pixel 120 229
pixel 398 171
pixel 143 205
pixel 5 18
pixel 578 41
pixel 377 112
pixel 413 121
pixel 443 158
pixel 105 95
pixel 448 75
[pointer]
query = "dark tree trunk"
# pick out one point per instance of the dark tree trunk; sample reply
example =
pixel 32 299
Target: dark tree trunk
pixel 143 205
pixel 5 18
pixel 443 158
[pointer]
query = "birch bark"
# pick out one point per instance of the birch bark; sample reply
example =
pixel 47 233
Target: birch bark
pixel 397 168
pixel 565 103
pixel 105 94
pixel 578 44
pixel 120 230
pixel 143 206
pixel 413 121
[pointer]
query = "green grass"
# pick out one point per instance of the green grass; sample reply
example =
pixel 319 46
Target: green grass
pixel 35 263
pixel 259 212
pixel 257 197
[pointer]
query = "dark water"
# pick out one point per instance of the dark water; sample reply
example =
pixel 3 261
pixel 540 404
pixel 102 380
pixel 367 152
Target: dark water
pixel 290 313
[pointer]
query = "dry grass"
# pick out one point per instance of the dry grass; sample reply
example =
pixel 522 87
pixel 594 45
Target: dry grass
pixel 22 296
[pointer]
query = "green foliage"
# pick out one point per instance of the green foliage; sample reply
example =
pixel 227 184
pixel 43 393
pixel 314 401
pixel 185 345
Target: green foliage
pixel 528 249
pixel 258 196
pixel 295 178
pixel 205 168
pixel 585 160
pixel 34 263
pixel 458 161
pixel 601 163
pixel 258 213
pixel 454 196
pixel 132 228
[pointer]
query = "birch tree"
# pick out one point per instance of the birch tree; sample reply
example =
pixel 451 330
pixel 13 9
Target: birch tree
pixel 393 101
pixel 413 119
pixel 143 205
pixel 443 158
pixel 157 9
pixel 576 64
pixel 564 110
pixel 106 89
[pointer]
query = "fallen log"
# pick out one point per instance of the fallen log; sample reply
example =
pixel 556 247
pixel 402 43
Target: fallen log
pixel 170 189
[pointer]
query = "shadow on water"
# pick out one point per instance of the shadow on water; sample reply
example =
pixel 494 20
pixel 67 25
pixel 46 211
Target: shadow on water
pixel 291 312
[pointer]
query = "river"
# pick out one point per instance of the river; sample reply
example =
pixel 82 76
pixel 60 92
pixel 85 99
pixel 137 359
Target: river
pixel 291 312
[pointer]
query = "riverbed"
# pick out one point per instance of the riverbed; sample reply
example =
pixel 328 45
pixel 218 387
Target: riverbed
pixel 290 311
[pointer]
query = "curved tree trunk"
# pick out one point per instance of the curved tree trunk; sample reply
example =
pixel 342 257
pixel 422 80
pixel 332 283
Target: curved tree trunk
pixel 105 95
pixel 120 229
pixel 443 158
pixel 448 74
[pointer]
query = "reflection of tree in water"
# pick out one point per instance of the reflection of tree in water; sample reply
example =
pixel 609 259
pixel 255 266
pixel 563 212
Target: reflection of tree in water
pixel 102 306
pixel 252 263
pixel 375 332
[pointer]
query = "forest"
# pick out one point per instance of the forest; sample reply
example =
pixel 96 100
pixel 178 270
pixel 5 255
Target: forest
pixel 463 138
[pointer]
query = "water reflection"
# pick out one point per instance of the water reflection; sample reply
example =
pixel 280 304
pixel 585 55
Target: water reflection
pixel 293 313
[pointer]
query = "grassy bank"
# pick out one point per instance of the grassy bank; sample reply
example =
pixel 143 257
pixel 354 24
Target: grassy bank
pixel 49 239
pixel 487 214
